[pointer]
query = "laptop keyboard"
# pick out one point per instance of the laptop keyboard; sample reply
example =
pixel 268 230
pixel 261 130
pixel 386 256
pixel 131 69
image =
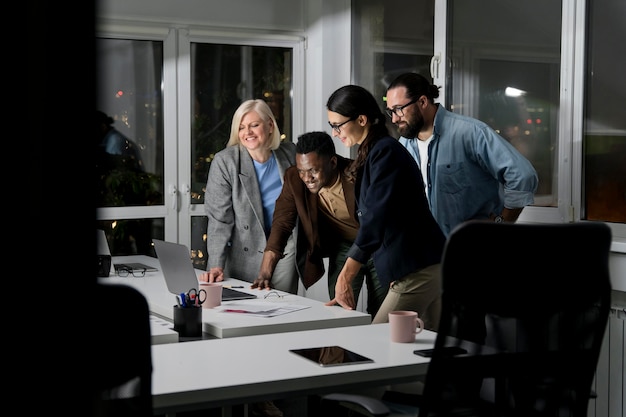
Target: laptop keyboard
pixel 228 294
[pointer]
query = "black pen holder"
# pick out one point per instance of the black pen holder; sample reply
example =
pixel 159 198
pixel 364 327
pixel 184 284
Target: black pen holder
pixel 188 321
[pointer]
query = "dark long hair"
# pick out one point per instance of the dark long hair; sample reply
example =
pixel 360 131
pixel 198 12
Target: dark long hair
pixel 352 101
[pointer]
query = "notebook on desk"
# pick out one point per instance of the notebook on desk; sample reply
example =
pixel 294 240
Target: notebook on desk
pixel 103 249
pixel 179 273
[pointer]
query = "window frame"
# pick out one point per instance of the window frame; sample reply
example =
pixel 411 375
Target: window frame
pixel 121 30
pixel 570 131
pixel 190 212
pixel 177 209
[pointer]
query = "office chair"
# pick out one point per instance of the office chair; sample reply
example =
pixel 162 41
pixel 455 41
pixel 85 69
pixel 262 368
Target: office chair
pixel 529 305
pixel 121 361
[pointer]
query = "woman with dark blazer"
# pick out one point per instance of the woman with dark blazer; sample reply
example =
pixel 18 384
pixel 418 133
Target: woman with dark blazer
pixel 396 225
pixel 244 181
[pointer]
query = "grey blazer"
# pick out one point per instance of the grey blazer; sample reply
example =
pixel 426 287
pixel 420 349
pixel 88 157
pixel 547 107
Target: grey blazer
pixel 235 231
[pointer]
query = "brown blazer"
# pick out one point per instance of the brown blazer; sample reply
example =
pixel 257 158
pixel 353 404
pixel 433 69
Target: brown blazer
pixel 296 204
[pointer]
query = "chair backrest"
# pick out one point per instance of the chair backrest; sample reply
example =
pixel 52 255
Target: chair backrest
pixel 529 303
pixel 122 353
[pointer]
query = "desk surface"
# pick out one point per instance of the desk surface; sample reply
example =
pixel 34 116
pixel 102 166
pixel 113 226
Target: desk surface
pixel 226 325
pixel 162 331
pixel 221 372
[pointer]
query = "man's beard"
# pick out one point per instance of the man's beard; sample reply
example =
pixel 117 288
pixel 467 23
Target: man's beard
pixel 409 130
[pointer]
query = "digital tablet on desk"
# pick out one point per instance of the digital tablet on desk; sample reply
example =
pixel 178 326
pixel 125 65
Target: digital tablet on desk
pixel 331 356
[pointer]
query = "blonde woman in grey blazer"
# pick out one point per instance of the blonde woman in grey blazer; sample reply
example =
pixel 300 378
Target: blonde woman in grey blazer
pixel 244 181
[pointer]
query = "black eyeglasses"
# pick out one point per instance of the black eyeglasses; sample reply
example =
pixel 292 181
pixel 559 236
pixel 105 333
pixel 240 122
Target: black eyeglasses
pixel 337 128
pixel 399 111
pixel 137 273
pixel 274 294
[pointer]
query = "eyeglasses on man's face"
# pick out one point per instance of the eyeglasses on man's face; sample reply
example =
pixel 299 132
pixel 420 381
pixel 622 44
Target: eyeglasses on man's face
pixel 337 128
pixel 138 273
pixel 399 110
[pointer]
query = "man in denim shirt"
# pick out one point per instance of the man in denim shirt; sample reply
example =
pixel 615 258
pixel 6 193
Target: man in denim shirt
pixel 469 171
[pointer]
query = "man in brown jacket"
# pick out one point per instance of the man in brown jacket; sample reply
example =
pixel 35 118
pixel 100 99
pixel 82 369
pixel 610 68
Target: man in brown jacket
pixel 318 196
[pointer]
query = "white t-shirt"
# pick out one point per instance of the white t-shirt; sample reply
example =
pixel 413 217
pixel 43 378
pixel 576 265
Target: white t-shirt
pixel 423 148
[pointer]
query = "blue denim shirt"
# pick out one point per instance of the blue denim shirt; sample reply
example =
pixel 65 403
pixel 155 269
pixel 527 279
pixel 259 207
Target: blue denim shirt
pixel 472 171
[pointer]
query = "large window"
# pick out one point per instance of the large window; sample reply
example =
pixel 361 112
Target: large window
pixel 130 74
pixel 222 77
pixel 129 141
pixel 516 66
pixel 142 190
pixel 505 66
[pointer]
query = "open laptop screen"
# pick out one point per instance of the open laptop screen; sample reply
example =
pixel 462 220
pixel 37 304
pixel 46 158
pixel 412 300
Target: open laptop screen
pixel 179 273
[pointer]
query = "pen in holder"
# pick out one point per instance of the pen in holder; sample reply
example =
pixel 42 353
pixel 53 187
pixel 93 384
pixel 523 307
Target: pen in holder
pixel 188 320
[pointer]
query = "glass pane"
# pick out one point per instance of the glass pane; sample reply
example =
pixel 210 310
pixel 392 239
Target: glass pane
pixel 524 116
pixel 222 77
pixel 604 186
pixel 130 156
pixel 505 72
pixel 198 241
pixel 132 237
pixel 390 37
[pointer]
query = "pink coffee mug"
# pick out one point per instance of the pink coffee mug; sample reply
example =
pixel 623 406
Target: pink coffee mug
pixel 213 294
pixel 404 325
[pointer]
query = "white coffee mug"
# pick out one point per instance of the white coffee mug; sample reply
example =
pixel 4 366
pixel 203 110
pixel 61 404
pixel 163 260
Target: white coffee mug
pixel 404 325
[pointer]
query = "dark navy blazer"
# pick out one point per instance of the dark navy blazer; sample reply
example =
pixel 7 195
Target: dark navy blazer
pixel 397 227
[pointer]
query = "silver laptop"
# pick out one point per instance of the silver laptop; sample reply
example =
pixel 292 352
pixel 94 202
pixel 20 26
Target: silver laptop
pixel 179 273
pixel 103 249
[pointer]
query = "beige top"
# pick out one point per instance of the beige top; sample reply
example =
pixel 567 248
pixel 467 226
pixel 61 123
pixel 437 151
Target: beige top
pixel 333 207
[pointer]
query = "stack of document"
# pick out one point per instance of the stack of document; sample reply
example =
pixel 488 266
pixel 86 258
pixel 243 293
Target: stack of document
pixel 260 308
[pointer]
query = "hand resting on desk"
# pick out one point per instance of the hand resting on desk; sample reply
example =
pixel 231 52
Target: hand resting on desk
pixel 268 266
pixel 213 275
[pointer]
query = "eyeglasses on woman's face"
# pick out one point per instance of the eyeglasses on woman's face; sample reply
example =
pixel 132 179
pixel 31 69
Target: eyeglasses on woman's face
pixel 399 110
pixel 337 127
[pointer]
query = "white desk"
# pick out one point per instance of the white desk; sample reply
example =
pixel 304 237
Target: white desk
pixel 225 325
pixel 162 331
pixel 221 372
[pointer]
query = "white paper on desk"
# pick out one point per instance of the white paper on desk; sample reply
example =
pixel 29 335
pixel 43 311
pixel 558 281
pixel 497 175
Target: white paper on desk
pixel 259 308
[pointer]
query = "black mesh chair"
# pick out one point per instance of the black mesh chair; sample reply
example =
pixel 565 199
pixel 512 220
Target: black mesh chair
pixel 528 306
pixel 122 357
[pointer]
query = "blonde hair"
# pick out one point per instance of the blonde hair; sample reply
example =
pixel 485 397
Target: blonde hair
pixel 260 107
